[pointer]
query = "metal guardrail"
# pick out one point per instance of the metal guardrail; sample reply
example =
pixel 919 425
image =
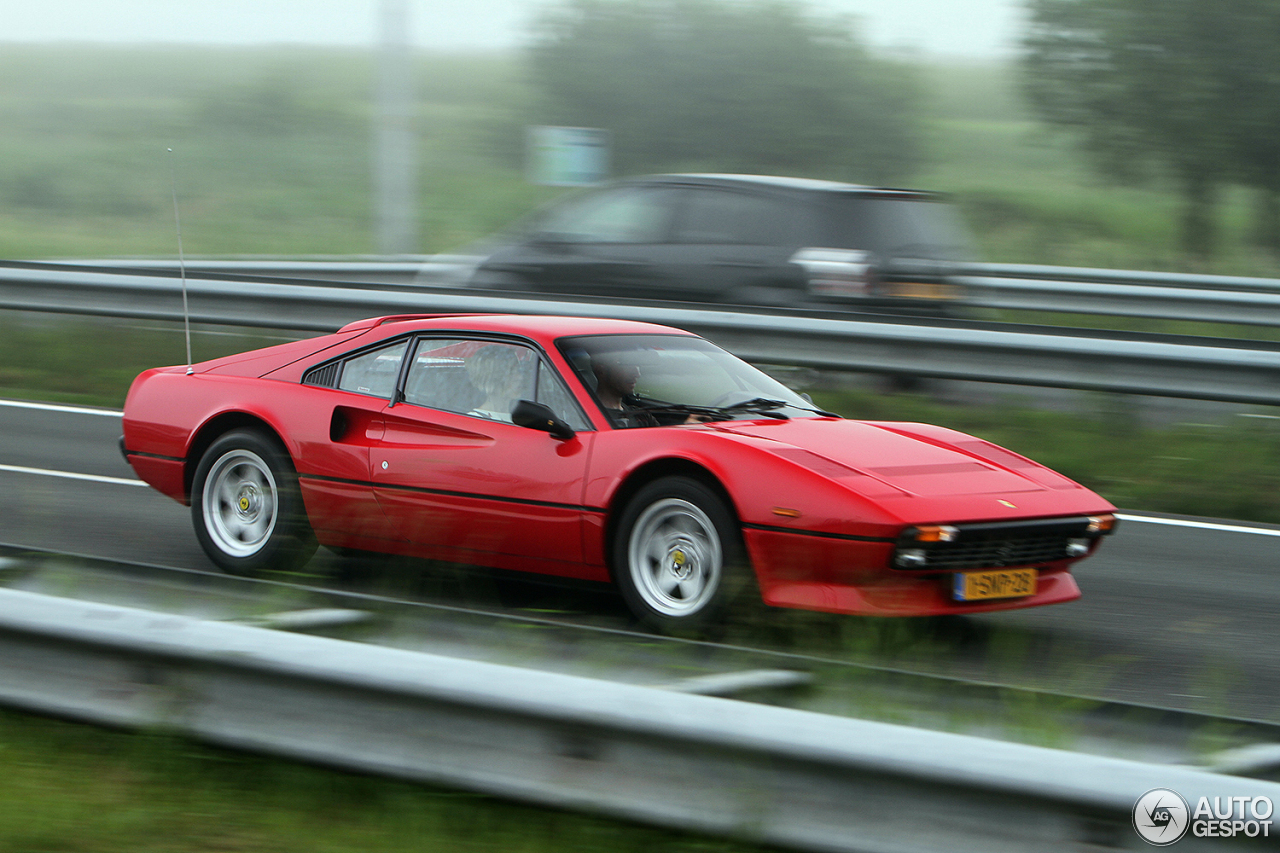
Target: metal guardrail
pixel 1196 281
pixel 770 775
pixel 1195 368
pixel 376 269
pixel 1072 290
pixel 1150 301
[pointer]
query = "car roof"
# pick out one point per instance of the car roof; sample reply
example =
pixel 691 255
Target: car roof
pixel 775 182
pixel 544 328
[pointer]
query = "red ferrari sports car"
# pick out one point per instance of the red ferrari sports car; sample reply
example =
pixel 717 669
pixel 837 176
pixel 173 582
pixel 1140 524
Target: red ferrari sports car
pixel 599 449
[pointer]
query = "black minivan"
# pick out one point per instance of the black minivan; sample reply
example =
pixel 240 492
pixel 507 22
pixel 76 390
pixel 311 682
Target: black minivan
pixel 740 239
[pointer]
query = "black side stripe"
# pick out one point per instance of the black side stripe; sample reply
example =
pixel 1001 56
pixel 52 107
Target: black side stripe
pixel 849 537
pixel 554 505
pixel 154 456
pixel 451 494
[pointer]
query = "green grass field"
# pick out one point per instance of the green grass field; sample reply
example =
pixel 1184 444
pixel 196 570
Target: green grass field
pixel 270 151
pixel 271 156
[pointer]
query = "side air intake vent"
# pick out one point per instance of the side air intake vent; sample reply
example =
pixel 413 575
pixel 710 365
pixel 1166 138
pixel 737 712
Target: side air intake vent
pixel 326 376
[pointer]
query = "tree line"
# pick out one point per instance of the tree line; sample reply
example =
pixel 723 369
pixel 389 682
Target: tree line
pixel 1186 90
pixel 754 86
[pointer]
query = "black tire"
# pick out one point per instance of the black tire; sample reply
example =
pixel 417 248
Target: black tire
pixel 247 508
pixel 678 559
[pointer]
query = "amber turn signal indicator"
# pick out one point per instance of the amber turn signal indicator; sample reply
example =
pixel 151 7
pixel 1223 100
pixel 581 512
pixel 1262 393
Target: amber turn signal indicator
pixel 1101 523
pixel 935 533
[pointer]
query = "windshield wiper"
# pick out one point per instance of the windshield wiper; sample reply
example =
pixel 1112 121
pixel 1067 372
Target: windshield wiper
pixel 765 405
pixel 652 405
pixel 758 405
pixel 823 412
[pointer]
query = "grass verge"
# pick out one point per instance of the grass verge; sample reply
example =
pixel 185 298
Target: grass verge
pixel 72 788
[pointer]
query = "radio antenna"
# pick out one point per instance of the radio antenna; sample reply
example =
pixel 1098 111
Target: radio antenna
pixel 182 262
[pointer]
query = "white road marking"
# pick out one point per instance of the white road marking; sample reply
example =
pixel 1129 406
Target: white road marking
pixel 54 407
pixel 70 475
pixel 115 413
pixel 1200 525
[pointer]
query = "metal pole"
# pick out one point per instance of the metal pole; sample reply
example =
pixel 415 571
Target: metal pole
pixel 394 172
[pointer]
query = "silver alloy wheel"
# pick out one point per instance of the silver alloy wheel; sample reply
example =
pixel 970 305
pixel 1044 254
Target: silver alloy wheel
pixel 239 503
pixel 675 557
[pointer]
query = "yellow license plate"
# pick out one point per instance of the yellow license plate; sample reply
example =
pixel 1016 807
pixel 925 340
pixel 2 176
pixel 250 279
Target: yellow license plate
pixel 1010 583
pixel 923 290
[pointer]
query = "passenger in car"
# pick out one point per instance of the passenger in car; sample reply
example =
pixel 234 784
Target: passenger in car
pixel 496 371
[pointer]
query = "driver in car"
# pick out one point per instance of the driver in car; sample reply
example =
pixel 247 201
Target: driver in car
pixel 616 375
pixel 616 378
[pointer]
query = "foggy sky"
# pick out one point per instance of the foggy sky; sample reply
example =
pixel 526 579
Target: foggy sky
pixel 961 28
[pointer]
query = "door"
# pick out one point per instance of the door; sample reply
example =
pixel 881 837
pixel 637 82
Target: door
pixel 337 416
pixel 460 481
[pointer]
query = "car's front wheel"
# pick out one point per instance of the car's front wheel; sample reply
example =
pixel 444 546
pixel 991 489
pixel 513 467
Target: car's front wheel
pixel 247 508
pixel 677 556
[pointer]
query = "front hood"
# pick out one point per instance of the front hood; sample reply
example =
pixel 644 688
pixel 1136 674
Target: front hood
pixel 899 459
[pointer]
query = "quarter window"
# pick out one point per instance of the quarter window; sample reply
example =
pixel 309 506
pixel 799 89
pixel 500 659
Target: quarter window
pixel 374 373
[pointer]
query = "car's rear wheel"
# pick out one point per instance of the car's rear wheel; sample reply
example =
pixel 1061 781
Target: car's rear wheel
pixel 677 556
pixel 247 508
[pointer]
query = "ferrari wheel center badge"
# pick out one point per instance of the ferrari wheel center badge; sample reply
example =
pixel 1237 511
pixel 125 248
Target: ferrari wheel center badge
pixel 680 563
pixel 248 501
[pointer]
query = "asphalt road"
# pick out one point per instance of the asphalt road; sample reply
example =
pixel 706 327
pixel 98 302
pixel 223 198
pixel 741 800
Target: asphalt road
pixel 1176 612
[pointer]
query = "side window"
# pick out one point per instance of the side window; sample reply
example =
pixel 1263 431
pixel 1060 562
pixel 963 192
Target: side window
pixel 626 215
pixel 373 373
pixel 478 378
pixel 724 216
pixel 553 395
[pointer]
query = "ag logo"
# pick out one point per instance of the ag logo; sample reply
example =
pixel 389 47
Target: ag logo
pixel 1161 816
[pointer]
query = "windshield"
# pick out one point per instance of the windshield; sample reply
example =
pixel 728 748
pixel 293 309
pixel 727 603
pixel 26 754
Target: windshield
pixel 657 380
pixel 906 227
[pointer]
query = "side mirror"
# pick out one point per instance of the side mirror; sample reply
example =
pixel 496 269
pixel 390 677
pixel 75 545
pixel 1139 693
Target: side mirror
pixel 527 413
